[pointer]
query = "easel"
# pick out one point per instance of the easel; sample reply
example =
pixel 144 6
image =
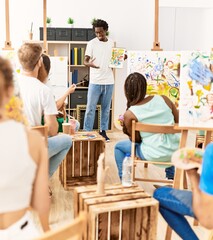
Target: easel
pixel 8 44
pixel 156 43
pixel 45 26
pixel 180 175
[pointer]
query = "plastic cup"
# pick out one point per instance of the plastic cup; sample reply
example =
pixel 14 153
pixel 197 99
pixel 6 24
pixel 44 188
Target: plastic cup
pixel 72 126
pixel 66 128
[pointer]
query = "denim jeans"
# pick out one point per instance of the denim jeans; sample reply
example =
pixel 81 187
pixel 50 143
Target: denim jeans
pixel 174 205
pixel 96 92
pixel 58 147
pixel 123 147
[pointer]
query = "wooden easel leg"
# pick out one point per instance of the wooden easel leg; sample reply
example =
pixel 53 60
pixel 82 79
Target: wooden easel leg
pixel 168 233
pixel 185 185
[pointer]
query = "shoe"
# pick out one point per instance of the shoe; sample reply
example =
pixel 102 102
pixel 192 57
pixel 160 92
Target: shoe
pixel 103 134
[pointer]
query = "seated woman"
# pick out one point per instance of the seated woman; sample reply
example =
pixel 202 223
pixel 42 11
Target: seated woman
pixel 43 75
pixel 23 171
pixel 147 109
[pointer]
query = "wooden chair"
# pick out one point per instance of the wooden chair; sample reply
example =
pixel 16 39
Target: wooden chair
pixel 43 130
pixel 151 128
pixel 72 231
pixel 200 139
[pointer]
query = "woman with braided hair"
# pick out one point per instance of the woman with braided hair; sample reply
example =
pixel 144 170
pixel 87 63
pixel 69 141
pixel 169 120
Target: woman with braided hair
pixel 153 109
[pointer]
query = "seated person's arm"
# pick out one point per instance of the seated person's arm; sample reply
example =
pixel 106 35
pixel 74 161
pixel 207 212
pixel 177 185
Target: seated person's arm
pixel 51 122
pixel 40 198
pixel 60 101
pixel 127 125
pixel 173 108
pixel 203 190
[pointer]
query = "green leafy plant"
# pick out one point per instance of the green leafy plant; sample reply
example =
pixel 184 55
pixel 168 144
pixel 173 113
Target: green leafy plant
pixel 49 20
pixel 70 20
pixel 93 20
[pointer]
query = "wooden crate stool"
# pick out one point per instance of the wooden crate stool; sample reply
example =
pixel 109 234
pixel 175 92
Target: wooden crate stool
pixel 125 213
pixel 80 164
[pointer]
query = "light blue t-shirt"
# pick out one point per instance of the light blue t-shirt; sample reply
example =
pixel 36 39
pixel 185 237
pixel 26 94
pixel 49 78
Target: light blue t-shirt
pixel 156 147
pixel 206 178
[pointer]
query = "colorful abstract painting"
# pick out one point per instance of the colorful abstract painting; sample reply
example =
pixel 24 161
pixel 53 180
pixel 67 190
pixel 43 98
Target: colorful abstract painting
pixel 196 90
pixel 161 69
pixel 117 58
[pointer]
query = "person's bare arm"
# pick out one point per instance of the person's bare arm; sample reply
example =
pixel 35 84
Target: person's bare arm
pixel 40 201
pixel 89 62
pixel 51 122
pixel 202 202
pixel 127 125
pixel 173 108
pixel 60 101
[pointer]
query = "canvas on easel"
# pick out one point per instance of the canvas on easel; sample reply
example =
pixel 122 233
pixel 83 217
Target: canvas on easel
pixel 196 90
pixel 58 76
pixel 161 69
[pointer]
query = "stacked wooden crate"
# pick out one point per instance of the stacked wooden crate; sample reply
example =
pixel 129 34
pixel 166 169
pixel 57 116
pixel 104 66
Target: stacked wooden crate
pixel 125 213
pixel 80 165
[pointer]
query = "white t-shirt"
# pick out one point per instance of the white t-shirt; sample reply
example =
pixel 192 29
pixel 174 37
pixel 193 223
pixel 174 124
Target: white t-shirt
pixel 102 52
pixel 17 170
pixel 37 99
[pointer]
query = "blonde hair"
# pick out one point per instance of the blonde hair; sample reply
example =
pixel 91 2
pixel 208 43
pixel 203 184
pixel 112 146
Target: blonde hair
pixel 6 77
pixel 29 55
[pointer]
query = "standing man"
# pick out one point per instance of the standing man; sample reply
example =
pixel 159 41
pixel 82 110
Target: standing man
pixel 97 57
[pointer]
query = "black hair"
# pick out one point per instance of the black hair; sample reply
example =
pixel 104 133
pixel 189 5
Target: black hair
pixel 135 88
pixel 46 62
pixel 100 23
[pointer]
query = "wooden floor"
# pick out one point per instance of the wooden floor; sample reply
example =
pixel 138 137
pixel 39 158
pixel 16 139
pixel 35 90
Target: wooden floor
pixel 62 201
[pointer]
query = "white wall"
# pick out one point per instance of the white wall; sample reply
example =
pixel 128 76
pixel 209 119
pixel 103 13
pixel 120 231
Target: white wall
pixel 131 25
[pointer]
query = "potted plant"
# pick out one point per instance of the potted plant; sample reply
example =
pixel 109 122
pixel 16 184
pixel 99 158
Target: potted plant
pixel 49 21
pixel 70 21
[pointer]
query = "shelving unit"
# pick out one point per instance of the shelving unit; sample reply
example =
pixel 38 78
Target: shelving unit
pixel 77 101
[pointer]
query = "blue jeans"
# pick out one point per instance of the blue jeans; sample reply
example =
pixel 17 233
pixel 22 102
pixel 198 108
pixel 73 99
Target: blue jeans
pixel 174 205
pixel 96 92
pixel 123 147
pixel 58 147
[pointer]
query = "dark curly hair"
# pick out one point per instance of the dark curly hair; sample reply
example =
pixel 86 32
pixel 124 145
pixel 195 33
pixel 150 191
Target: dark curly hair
pixel 135 88
pixel 100 23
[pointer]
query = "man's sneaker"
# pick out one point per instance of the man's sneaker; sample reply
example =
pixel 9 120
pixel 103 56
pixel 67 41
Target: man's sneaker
pixel 103 134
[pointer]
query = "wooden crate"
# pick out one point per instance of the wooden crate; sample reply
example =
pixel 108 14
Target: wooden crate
pixel 80 165
pixel 125 213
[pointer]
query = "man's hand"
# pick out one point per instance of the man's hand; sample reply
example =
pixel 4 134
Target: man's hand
pixel 91 63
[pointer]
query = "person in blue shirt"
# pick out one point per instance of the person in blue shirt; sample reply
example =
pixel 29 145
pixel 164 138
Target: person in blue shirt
pixel 176 204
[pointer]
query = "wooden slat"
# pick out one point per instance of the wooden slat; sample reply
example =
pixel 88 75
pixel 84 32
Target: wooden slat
pixel 84 205
pixel 92 189
pixel 125 224
pixel 156 128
